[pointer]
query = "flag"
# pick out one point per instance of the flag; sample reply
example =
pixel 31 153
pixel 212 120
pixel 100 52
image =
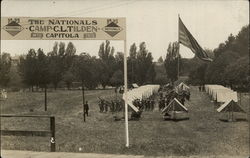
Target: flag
pixel 186 38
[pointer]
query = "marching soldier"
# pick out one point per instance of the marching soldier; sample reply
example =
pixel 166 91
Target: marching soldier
pixel 112 108
pixel 106 106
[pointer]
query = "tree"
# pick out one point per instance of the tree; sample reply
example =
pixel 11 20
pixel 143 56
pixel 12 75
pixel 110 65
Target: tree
pixel 67 60
pixel 93 78
pixel 151 74
pixel 5 65
pixel 85 70
pixel 236 74
pixel 197 76
pixel 15 78
pixel 214 73
pixel 144 61
pixel 61 51
pixel 117 79
pixel 161 79
pixel 107 62
pixel 42 69
pixel 56 68
pixel 229 67
pixel 160 60
pixel 28 68
pixel 68 77
pixel 132 63
pixel 119 61
pixel 69 55
pixel 171 61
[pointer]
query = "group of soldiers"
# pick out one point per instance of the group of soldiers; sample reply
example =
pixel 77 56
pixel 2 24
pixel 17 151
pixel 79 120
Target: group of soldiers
pixel 147 104
pixel 112 106
pixel 166 95
pixel 181 95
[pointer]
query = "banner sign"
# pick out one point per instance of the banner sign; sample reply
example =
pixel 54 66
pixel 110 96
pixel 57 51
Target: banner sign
pixel 62 28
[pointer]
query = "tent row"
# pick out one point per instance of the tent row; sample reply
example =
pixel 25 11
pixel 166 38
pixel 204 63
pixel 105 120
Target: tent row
pixel 141 92
pixel 227 97
pixel 221 94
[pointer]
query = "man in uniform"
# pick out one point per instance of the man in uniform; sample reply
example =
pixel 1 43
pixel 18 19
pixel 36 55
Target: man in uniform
pixel 101 105
pixel 86 108
pixel 105 105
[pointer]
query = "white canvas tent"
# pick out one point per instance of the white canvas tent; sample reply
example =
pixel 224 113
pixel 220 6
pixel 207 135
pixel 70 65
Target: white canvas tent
pixel 141 92
pixel 230 106
pixel 175 106
pixel 220 93
pixel 135 85
pixel 183 86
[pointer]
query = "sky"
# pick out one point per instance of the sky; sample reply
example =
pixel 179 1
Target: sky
pixel 154 22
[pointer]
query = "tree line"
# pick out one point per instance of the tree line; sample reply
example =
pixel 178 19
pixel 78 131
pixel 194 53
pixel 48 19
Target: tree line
pixel 230 66
pixel 61 67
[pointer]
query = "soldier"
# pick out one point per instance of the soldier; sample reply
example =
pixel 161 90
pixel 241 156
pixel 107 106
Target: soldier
pixel 152 103
pixel 112 108
pixel 188 95
pixel 148 104
pixel 199 88
pixel 86 108
pixel 101 105
pixel 106 106
pixel 160 104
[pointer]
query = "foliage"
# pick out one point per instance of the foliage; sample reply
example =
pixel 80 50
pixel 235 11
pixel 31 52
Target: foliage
pixel 107 62
pixel 5 65
pixel 230 65
pixel 141 63
pixel 117 79
pixel 55 65
pixel 160 60
pixel 63 64
pixel 28 68
pixel 85 71
pixel 171 61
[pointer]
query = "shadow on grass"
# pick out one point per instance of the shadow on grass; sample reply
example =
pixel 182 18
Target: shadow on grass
pixel 235 120
pixel 177 119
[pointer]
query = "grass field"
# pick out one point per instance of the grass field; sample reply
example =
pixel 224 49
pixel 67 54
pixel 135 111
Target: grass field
pixel 203 134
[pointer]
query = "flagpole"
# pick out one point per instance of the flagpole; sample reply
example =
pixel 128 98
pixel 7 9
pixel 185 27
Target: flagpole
pixel 125 92
pixel 178 51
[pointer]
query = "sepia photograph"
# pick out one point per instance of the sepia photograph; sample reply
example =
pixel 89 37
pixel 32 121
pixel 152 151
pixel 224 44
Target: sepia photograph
pixel 124 79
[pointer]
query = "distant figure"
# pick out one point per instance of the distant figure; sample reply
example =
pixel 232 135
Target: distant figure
pixel 188 95
pixel 199 88
pixel 86 108
pixel 101 105
pixel 152 104
pixel 106 106
pixel 112 107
